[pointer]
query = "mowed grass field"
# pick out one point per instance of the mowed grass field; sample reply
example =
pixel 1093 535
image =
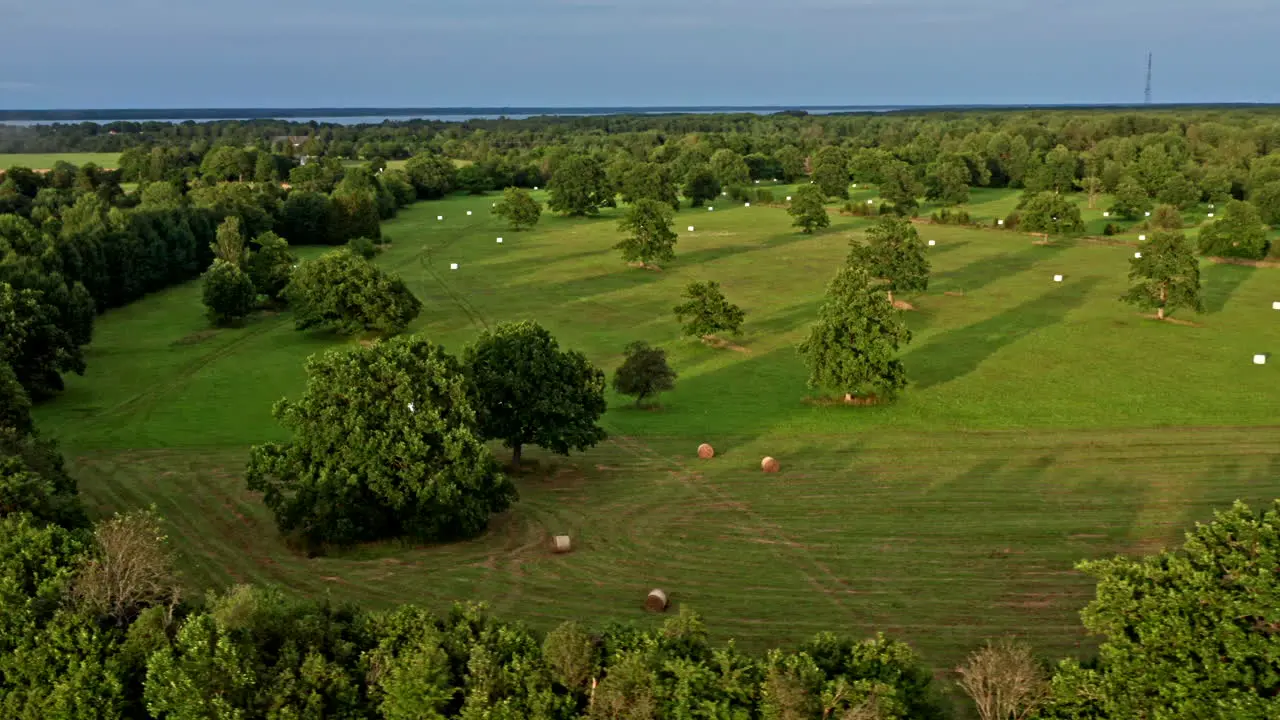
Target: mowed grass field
pixel 1046 423
pixel 44 161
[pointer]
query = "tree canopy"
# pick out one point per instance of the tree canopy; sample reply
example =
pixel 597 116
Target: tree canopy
pixel 1188 632
pixel 527 391
pixel 1238 233
pixel 1165 276
pixel 228 293
pixel 519 209
pixel 809 209
pixel 385 443
pixel 579 186
pixel 707 312
pixel 649 237
pixel 344 292
pixel 853 347
pixel 644 372
pixel 894 254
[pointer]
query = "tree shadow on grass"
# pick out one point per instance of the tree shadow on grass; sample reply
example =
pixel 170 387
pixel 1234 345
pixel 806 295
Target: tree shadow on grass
pixel 704 255
pixel 945 248
pixel 986 270
pixel 957 353
pixel 1220 282
pixel 793 318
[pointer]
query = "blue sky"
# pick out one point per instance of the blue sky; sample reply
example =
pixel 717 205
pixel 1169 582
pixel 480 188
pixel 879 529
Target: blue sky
pixel 432 53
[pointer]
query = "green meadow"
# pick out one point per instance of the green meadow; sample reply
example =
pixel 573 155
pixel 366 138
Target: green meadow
pixel 44 161
pixel 1046 423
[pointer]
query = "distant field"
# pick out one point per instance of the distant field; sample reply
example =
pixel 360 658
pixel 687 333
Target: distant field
pixel 1046 423
pixel 39 161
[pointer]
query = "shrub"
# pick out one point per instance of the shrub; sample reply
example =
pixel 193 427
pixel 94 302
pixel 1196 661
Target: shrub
pixel 363 247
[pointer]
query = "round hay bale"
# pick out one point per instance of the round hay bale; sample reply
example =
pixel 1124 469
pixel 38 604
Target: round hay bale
pixel 656 602
pixel 562 544
pixel 706 452
pixel 770 465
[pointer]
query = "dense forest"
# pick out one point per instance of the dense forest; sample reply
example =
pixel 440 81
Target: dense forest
pixel 93 621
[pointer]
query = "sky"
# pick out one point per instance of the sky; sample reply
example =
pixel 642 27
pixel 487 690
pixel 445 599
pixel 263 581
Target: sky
pixel 58 54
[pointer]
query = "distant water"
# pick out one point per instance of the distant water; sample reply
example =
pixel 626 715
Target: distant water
pixel 460 115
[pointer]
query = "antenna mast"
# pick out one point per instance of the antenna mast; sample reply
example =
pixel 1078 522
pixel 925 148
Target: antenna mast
pixel 1147 96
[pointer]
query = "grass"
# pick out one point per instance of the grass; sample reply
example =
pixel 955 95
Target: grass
pixel 44 161
pixel 1047 423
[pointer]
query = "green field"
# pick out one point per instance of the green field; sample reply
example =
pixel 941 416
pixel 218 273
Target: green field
pixel 44 161
pixel 1046 423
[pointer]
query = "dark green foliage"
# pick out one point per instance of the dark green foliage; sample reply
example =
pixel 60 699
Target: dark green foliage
pixel 1166 277
pixel 33 344
pixel 354 216
pixel 701 186
pixel 947 180
pixel 644 372
pixel 763 167
pixel 1166 217
pixel 1189 633
pixel 649 181
pixel 853 347
pixel 304 219
pixel 707 312
pixel 791 162
pixel 831 172
pixel 15 406
pixel 228 294
pixel 894 254
pixel 384 444
pixel 1237 233
pixel 947 216
pixel 730 169
pixel 1131 199
pixel 400 186
pixel 1179 192
pixel 1267 199
pixel 344 292
pixel 363 247
pixel 519 209
pixel 527 391
pixel 899 187
pixel 473 179
pixel 1049 213
pixel 432 176
pixel 579 187
pixel 271 265
pixel 649 234
pixel 809 209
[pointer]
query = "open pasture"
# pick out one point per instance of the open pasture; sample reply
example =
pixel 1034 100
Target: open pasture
pixel 44 161
pixel 1046 423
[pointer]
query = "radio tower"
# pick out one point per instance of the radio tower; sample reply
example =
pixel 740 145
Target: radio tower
pixel 1147 96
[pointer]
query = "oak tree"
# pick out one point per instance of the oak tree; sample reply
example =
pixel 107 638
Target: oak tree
pixel 385 443
pixel 644 372
pixel 707 312
pixel 809 209
pixel 344 292
pixel 853 347
pixel 527 391
pixel 519 209
pixel 649 234
pixel 1165 275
